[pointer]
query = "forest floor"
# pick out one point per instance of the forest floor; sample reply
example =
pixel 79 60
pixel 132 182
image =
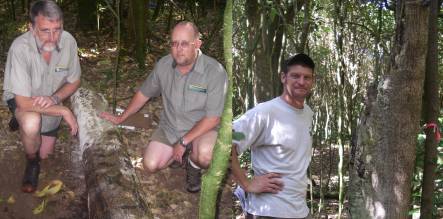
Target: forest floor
pixel 165 190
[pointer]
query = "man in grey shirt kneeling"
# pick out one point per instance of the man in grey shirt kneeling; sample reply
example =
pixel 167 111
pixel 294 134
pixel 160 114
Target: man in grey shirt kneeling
pixel 42 69
pixel 193 88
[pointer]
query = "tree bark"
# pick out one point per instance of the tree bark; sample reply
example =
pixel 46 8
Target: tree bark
pixel 112 185
pixel 87 17
pixel 431 113
pixel 382 166
pixel 222 150
pixel 251 45
pixel 306 24
pixel 140 18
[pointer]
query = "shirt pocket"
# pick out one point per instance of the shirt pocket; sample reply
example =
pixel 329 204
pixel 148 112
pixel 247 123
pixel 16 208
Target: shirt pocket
pixel 60 76
pixel 195 97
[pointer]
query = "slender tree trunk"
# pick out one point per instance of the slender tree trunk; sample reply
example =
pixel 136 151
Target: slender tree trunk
pixel 222 151
pixel 25 7
pixel 339 26
pixel 377 49
pixel 168 26
pixel 306 23
pixel 12 9
pixel 158 9
pixel 140 18
pixel 116 14
pixel 253 37
pixel 86 19
pixel 382 169
pixel 263 86
pixel 431 113
pixel 269 49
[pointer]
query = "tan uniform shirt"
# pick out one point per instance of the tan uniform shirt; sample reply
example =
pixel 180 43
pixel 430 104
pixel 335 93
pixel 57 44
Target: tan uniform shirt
pixel 27 73
pixel 187 98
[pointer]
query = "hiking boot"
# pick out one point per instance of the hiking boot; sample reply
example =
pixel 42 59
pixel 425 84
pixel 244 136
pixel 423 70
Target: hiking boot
pixel 30 178
pixel 13 124
pixel 193 178
pixel 175 165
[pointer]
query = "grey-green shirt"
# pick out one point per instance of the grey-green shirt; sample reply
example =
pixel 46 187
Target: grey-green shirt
pixel 187 98
pixel 27 73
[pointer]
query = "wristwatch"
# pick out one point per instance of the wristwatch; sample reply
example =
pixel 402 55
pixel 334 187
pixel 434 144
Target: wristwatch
pixel 182 142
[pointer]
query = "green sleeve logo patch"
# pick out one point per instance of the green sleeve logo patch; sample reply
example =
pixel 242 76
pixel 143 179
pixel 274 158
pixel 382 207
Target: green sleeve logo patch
pixel 197 88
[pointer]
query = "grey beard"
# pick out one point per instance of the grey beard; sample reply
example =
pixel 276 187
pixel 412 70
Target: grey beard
pixel 41 47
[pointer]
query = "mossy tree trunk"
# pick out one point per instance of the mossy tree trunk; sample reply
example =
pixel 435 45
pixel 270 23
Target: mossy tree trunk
pixel 220 161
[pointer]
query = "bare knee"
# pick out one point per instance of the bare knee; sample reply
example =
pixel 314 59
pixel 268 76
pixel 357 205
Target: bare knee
pixel 150 165
pixel 29 123
pixel 202 157
pixel 203 146
pixel 204 160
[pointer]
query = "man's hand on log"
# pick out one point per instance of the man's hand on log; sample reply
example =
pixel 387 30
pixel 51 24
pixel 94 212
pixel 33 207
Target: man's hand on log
pixel 111 117
pixel 71 120
pixel 177 153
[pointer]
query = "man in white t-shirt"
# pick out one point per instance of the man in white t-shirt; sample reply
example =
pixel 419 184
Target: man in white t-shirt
pixel 278 132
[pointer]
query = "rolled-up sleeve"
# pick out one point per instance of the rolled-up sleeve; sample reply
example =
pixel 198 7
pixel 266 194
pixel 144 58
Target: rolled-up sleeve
pixel 151 86
pixel 75 70
pixel 19 74
pixel 217 89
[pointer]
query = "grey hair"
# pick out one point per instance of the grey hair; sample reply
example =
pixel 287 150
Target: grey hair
pixel 47 8
pixel 192 25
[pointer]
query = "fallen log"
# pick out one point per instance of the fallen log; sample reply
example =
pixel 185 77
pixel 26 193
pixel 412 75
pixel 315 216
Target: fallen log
pixel 113 188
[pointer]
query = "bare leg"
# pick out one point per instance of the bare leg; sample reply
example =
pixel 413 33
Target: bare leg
pixel 30 123
pixel 202 149
pixel 157 156
pixel 29 131
pixel 47 146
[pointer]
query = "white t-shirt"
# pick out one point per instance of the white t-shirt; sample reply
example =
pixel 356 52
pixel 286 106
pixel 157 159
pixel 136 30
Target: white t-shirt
pixel 279 136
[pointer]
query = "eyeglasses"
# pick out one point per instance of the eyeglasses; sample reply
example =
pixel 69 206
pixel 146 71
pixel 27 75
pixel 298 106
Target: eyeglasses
pixel 48 32
pixel 182 44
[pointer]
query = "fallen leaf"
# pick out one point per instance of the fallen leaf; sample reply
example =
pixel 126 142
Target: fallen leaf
pixel 11 200
pixel 71 194
pixel 53 187
pixel 40 208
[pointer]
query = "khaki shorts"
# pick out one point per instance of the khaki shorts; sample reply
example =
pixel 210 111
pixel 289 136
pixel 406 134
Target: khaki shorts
pixel 160 136
pixel 12 106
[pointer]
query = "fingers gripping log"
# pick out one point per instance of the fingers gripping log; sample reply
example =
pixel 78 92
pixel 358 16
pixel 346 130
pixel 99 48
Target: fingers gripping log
pixel 113 188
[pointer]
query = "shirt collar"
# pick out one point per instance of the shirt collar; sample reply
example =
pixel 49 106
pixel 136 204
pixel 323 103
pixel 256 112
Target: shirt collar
pixel 198 65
